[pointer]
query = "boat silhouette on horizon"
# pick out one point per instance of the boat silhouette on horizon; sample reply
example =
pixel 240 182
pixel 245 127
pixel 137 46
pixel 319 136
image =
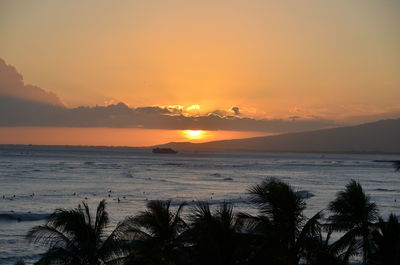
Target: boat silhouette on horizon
pixel 164 151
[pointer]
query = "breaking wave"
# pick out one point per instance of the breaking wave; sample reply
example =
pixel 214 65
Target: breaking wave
pixel 20 217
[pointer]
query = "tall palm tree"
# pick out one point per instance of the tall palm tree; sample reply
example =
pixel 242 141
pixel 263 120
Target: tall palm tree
pixel 215 235
pixel 282 228
pixel 74 237
pixel 354 214
pixel 386 242
pixel 155 234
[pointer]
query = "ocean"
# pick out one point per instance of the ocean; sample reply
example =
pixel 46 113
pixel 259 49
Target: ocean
pixel 35 180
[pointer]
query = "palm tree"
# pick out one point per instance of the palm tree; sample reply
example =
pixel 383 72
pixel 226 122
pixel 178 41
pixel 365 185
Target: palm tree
pixel 318 250
pixel 73 237
pixel 386 242
pixel 155 234
pixel 354 214
pixel 215 235
pixel 282 229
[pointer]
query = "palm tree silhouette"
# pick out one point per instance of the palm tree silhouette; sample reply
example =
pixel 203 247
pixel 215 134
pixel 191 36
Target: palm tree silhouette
pixel 282 229
pixel 215 235
pixel 354 214
pixel 155 234
pixel 318 250
pixel 386 242
pixel 73 237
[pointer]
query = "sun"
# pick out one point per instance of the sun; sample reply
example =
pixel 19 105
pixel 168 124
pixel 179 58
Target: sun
pixel 193 134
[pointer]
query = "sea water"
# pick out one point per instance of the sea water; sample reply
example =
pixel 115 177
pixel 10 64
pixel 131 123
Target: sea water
pixel 35 180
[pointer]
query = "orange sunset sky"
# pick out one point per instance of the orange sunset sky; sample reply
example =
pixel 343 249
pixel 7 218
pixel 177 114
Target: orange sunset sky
pixel 224 69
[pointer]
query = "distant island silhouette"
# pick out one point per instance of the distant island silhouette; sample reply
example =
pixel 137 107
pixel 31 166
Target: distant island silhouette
pixel 375 137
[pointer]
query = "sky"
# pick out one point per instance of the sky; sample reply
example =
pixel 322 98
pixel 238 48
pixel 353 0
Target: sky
pixel 245 66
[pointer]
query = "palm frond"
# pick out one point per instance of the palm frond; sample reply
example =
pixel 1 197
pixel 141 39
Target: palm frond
pixel 51 237
pixel 251 224
pixel 178 224
pixel 278 201
pixel 348 239
pixel 156 219
pixel 69 222
pixel 57 256
pixel 130 229
pixel 352 250
pixel 86 213
pixel 311 229
pixel 101 218
pixel 72 238
pixel 117 261
pixel 352 207
pixel 200 212
pixel 115 247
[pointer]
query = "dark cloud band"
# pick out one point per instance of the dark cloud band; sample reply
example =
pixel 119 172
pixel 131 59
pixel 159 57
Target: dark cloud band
pixel 19 112
pixel 26 105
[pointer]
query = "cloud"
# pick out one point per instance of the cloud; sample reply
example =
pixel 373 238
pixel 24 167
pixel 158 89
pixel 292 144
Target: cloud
pixel 235 110
pixel 20 112
pixel 153 110
pixel 12 85
pixel 193 108
pixel 174 109
pixel 294 117
pixel 219 113
pixel 26 105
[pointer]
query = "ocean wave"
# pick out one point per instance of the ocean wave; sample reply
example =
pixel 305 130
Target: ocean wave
pixel 245 165
pixel 173 164
pixel 380 189
pixel 234 201
pixel 20 217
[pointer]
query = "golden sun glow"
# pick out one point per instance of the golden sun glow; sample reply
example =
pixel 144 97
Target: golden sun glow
pixel 193 134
